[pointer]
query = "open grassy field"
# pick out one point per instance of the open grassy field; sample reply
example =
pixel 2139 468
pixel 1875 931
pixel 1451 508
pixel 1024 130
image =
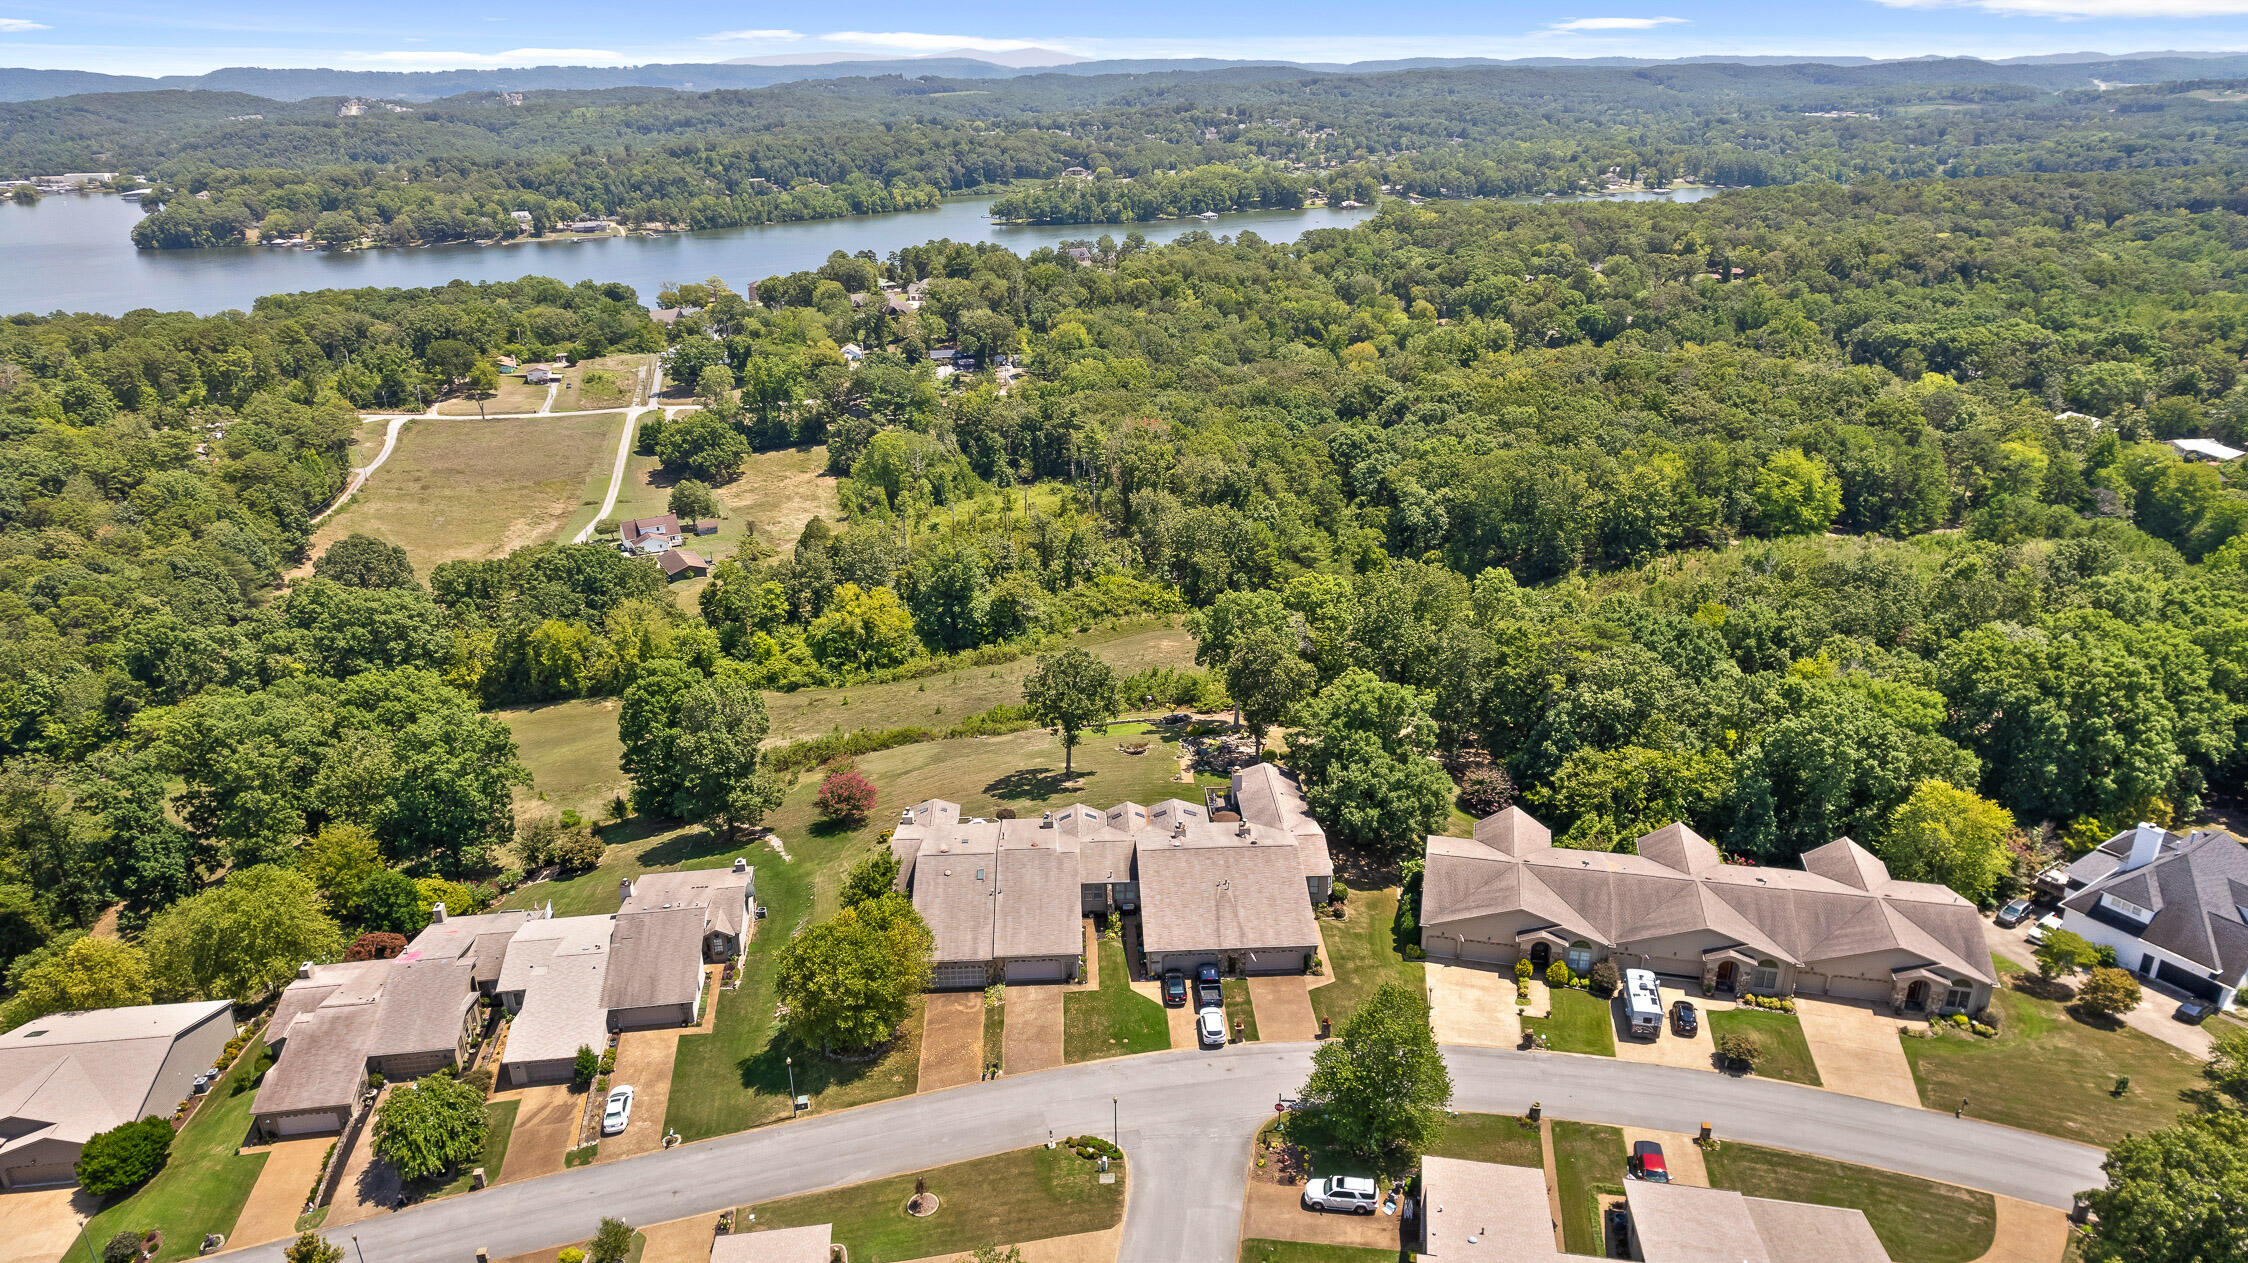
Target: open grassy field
pixel 777 493
pixel 1362 954
pixel 1587 1160
pixel 1500 1138
pixel 474 489
pixel 1580 1023
pixel 202 1189
pixel 572 751
pixel 2047 1070
pixel 1114 1020
pixel 1916 1219
pixel 576 393
pixel 940 701
pixel 1787 1055
pixel 1005 1199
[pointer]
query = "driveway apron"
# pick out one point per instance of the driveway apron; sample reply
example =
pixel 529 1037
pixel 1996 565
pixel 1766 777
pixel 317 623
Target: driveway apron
pixel 952 1039
pixel 1857 1051
pixel 1283 1006
pixel 278 1197
pixel 1034 1028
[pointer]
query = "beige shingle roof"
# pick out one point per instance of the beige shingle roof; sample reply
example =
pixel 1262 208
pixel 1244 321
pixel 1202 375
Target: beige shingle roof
pixel 1678 1223
pixel 422 1007
pixel 325 1064
pixel 722 892
pixel 655 958
pixel 775 1245
pixel 1212 889
pixel 78 1074
pixel 1270 795
pixel 1486 1213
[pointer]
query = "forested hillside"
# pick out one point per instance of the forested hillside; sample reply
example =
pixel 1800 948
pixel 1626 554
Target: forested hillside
pixel 1795 512
pixel 229 166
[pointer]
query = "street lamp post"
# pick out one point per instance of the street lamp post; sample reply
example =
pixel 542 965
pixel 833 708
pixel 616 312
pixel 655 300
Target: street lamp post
pixel 790 1062
pixel 1115 1126
pixel 356 1248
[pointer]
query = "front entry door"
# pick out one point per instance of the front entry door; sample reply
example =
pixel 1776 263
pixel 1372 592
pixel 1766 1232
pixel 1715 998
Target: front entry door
pixel 1541 955
pixel 1916 995
pixel 1726 970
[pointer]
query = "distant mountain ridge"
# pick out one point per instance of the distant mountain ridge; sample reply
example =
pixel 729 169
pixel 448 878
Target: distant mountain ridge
pixel 2053 71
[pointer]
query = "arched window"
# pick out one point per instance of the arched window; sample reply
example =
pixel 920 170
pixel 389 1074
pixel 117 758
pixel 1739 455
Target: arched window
pixel 1580 957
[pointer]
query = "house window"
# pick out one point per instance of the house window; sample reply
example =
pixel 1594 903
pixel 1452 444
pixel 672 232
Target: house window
pixel 2127 908
pixel 1958 997
pixel 1580 957
pixel 1765 977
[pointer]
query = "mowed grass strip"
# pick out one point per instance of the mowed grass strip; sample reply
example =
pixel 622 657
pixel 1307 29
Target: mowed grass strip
pixel 1586 1159
pixel 1787 1055
pixel 1580 1023
pixel 1362 953
pixel 1501 1138
pixel 1916 1219
pixel 470 489
pixel 1113 1020
pixel 2051 1072
pixel 1239 1009
pixel 1005 1199
pixel 1264 1250
pixel 202 1188
pixel 499 1117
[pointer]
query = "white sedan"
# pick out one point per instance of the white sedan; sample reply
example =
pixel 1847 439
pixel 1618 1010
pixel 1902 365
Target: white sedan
pixel 1210 1024
pixel 617 1115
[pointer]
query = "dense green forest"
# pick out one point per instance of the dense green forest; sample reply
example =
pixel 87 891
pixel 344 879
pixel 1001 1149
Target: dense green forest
pixel 228 165
pixel 1799 511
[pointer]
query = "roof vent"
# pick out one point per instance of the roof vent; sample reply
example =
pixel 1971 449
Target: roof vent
pixel 1176 842
pixel 1242 831
pixel 1179 830
pixel 944 848
pixel 1047 822
pixel 741 865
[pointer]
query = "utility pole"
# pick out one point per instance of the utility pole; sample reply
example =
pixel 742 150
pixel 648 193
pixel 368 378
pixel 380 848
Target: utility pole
pixel 1115 1123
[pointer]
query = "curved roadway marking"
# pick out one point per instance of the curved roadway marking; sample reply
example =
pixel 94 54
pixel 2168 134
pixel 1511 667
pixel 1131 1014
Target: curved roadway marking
pixel 1186 1119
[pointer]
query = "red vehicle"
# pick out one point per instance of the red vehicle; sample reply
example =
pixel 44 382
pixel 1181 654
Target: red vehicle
pixel 1647 1162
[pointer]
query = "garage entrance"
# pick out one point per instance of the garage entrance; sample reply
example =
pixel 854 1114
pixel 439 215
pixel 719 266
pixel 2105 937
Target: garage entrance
pixel 2190 983
pixel 1037 971
pixel 306 1124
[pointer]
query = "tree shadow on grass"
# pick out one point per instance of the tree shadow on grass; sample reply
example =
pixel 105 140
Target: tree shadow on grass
pixel 1034 784
pixel 2039 987
pixel 695 844
pixel 766 1072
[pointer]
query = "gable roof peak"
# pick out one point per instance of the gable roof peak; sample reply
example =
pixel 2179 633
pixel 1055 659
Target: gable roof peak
pixel 1512 831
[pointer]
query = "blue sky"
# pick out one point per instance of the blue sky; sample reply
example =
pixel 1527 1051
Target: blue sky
pixel 166 37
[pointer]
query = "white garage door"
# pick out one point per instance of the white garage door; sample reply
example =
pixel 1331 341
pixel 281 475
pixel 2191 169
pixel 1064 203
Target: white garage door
pixel 1037 971
pixel 1857 988
pixel 1492 952
pixel 305 1124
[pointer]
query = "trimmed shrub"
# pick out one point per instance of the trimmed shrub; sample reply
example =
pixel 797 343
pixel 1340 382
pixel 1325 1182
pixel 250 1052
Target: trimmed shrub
pixel 1522 969
pixel 1558 975
pixel 1740 1048
pixel 1602 979
pixel 125 1156
pixel 122 1248
pixel 587 1065
pixel 611 1241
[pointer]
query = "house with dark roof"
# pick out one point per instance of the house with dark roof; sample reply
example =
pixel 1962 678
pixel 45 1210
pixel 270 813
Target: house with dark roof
pixel 2174 907
pixel 678 563
pixel 1004 898
pixel 1841 926
pixel 67 1077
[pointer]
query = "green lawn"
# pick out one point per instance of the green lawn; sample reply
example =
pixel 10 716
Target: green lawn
pixel 1501 1138
pixel 1113 1020
pixel 1238 1008
pixel 1787 1055
pixel 1008 1198
pixel 202 1189
pixel 1916 1219
pixel 1362 954
pixel 994 1034
pixel 1579 1023
pixel 500 1116
pixel 2048 1071
pixel 1260 1250
pixel 1586 1159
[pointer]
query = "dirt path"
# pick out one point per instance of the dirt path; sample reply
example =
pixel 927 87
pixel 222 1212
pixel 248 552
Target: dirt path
pixel 359 476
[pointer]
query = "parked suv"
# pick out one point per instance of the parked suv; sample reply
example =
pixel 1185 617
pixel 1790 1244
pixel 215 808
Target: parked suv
pixel 1684 1022
pixel 1353 1193
pixel 2014 913
pixel 1174 989
pixel 1209 1024
pixel 1647 1162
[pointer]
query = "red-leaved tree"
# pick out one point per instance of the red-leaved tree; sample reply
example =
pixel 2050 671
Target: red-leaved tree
pixel 846 797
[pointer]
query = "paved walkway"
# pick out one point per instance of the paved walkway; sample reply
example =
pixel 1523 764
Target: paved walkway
pixel 1034 1028
pixel 2027 1233
pixel 1186 1116
pixel 279 1195
pixel 1856 1049
pixel 952 1040
pixel 1473 1004
pixel 1283 1007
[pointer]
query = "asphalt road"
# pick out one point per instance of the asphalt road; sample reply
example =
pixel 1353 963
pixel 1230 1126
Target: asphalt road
pixel 1185 1120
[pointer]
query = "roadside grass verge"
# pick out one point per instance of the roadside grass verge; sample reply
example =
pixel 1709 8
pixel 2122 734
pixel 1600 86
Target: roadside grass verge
pixel 1263 1250
pixel 1008 1198
pixel 1501 1138
pixel 1580 1023
pixel 2049 1071
pixel 1916 1219
pixel 203 1187
pixel 1238 1009
pixel 1787 1055
pixel 1587 1160
pixel 994 1035
pixel 1113 1020
pixel 1362 954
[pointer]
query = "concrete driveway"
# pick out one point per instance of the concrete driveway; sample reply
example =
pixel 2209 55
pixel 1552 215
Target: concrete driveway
pixel 283 1184
pixel 546 1127
pixel 1034 1028
pixel 42 1224
pixel 1688 1052
pixel 1276 1212
pixel 1283 1006
pixel 1680 1154
pixel 1473 1004
pixel 952 1051
pixel 1856 1049
pixel 2027 1233
pixel 2152 1018
pixel 644 1060
pixel 1183 1032
pixel 680 1240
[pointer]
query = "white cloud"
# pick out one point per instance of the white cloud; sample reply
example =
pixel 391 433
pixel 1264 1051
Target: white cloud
pixel 1613 24
pixel 2088 8
pixel 759 36
pixel 922 42
pixel 23 24
pixel 512 57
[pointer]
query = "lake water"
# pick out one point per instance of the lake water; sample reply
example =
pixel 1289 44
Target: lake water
pixel 74 252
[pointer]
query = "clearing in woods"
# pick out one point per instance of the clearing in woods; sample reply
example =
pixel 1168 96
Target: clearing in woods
pixel 479 489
